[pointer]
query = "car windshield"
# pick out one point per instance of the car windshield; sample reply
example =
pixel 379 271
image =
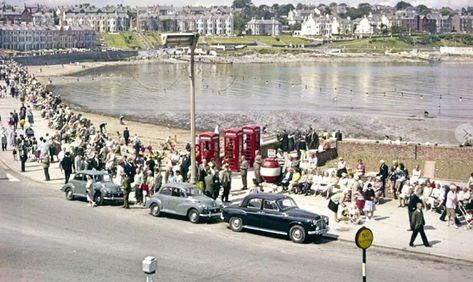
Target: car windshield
pixel 287 203
pixel 102 178
pixel 193 191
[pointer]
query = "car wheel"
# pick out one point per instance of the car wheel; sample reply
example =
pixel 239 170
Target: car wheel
pixel 193 215
pixel 236 223
pixel 155 210
pixel 69 194
pixel 98 199
pixel 297 234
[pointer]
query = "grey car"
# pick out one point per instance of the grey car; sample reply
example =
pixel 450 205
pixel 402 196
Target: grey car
pixel 186 200
pixel 104 188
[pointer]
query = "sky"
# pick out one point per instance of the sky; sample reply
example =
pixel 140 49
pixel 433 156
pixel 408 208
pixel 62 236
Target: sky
pixel 429 3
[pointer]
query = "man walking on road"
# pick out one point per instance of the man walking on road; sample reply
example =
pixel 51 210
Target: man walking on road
pixel 244 172
pixel 418 223
pixel 66 165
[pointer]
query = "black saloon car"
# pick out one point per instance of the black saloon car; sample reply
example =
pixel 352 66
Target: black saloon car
pixel 275 213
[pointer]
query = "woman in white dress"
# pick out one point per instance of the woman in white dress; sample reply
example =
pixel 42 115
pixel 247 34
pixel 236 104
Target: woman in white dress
pixel 416 174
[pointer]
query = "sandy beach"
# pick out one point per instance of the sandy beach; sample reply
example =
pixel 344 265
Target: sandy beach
pixel 150 134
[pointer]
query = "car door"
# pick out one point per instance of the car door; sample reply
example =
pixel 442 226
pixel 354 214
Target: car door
pixel 165 196
pixel 272 218
pixel 79 184
pixel 253 212
pixel 177 196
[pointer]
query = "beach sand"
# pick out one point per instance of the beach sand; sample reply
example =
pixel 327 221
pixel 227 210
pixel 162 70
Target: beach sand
pixel 149 134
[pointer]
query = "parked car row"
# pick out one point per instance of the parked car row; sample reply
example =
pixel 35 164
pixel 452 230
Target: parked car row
pixel 272 213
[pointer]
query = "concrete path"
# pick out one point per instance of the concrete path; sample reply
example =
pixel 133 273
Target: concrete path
pixel 389 228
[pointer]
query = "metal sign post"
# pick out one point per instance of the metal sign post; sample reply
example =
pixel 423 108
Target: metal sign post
pixel 363 240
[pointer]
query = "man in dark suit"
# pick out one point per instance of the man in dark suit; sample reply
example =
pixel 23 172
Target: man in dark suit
pixel 412 206
pixel 418 223
pixel 66 165
pixel 383 173
pixel 126 135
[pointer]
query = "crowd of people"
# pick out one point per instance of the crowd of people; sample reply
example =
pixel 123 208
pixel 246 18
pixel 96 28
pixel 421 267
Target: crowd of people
pixel 77 144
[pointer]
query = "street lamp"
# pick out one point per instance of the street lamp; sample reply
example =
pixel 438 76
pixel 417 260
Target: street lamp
pixel 187 40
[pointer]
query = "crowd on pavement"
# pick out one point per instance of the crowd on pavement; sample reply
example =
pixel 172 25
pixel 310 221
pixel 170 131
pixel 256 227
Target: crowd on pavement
pixel 77 144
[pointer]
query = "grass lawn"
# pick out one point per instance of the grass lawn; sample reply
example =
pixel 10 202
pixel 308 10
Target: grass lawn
pixel 375 44
pixel 124 40
pixel 251 39
pixel 154 38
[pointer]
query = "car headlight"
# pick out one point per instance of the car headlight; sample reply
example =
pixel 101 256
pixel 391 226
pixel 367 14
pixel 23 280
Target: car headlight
pixel 314 221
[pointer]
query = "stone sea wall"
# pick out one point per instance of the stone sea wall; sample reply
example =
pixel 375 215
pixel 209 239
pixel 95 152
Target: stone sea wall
pixel 74 57
pixel 454 163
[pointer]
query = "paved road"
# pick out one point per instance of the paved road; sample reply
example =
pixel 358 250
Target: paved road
pixel 43 237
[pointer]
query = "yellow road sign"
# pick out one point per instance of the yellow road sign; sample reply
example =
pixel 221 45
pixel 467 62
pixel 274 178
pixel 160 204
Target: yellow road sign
pixel 364 238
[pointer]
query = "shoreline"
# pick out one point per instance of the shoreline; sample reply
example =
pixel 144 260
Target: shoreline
pixel 180 126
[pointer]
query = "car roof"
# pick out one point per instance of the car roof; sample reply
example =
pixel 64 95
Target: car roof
pixel 179 185
pixel 93 172
pixel 266 196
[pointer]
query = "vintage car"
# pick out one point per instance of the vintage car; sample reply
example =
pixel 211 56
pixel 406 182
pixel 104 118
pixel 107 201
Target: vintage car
pixel 104 188
pixel 275 213
pixel 186 200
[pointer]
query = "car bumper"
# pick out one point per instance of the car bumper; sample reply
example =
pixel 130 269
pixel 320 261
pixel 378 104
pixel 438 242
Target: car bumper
pixel 217 215
pixel 113 198
pixel 319 232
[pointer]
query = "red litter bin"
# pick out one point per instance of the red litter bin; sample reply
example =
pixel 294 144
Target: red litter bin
pixel 270 170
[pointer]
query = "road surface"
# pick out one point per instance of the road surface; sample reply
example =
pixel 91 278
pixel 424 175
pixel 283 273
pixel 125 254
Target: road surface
pixel 44 237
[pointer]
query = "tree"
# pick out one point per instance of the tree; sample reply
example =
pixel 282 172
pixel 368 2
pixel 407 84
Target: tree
pixel 239 23
pixel 402 5
pixel 423 10
pixel 242 4
pixel 365 8
pixel 283 10
pixel 447 12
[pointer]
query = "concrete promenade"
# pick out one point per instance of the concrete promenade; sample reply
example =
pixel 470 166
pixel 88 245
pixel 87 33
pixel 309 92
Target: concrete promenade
pixel 389 228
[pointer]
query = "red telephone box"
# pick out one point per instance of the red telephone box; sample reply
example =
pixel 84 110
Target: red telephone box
pixel 251 142
pixel 233 146
pixel 209 147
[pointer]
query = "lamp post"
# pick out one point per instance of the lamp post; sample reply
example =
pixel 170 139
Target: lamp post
pixel 187 40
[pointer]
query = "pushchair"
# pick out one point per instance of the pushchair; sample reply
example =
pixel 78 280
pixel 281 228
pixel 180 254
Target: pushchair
pixel 467 215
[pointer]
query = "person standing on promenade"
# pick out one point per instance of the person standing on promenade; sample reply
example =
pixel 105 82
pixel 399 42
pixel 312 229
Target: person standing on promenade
pixel 369 207
pixel 66 165
pixel 126 136
pixel 158 180
pixel 383 173
pixel 244 172
pixel 226 180
pixel 418 223
pixel 125 185
pixel 23 151
pixel 45 162
pixel 4 139
pixel 257 166
pixel 451 205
